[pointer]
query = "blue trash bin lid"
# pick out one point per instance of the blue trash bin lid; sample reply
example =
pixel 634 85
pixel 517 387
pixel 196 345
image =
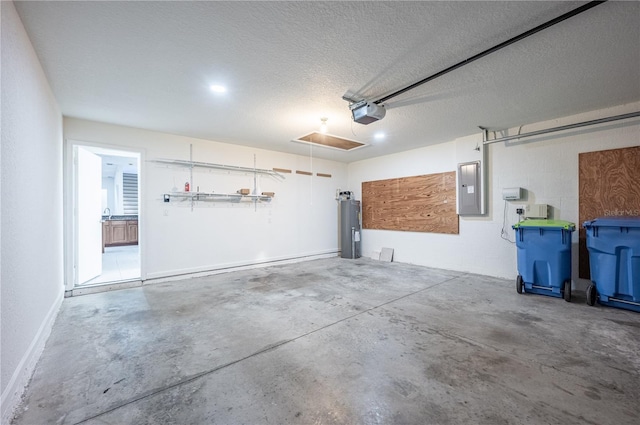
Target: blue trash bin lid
pixel 547 224
pixel 618 221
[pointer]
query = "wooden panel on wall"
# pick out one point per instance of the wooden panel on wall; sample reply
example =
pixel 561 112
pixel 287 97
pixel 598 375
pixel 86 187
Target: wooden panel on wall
pixel 609 185
pixel 415 204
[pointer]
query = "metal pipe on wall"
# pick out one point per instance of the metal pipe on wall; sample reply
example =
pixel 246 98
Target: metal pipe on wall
pixel 561 128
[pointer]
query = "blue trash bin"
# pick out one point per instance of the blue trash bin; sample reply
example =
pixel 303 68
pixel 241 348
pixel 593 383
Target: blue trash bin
pixel 544 257
pixel 614 257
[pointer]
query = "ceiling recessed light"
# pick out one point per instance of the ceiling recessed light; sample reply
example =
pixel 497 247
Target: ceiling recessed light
pixel 379 136
pixel 218 89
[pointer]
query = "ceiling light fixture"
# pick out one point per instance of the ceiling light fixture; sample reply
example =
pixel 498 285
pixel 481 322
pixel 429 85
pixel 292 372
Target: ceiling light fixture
pixel 379 136
pixel 218 88
pixel 323 125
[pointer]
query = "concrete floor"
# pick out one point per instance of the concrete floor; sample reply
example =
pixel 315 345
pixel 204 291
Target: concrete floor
pixel 336 342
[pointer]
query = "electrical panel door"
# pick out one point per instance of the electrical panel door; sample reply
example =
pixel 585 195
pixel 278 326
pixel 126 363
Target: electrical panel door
pixel 469 188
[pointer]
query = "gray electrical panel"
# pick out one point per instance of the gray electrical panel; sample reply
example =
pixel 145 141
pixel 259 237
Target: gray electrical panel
pixel 350 228
pixel 469 188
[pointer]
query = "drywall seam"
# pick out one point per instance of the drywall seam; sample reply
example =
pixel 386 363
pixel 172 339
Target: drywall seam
pixel 12 394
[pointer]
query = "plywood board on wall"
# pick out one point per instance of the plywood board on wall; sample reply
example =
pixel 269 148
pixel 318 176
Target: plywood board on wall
pixel 424 203
pixel 609 185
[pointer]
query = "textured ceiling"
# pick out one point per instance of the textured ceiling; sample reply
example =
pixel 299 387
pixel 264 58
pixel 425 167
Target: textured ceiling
pixel 287 64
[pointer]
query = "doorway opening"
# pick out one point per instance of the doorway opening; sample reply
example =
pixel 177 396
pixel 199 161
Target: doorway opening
pixel 106 199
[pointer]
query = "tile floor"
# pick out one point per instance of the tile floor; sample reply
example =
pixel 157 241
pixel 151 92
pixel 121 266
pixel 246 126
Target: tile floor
pixel 119 263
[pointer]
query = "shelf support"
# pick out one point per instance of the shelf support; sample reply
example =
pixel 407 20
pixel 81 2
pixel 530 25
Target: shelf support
pixel 194 164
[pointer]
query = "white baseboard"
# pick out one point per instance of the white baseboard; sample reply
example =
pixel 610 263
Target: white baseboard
pixel 172 275
pixel 12 394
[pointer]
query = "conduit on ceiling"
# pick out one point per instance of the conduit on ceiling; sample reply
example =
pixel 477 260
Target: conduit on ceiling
pixel 502 45
pixel 560 128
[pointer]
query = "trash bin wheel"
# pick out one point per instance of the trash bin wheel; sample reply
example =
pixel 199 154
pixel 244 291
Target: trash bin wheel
pixel 591 294
pixel 566 294
pixel 519 284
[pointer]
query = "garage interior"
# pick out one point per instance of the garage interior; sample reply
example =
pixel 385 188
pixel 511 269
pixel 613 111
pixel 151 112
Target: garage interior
pixel 242 129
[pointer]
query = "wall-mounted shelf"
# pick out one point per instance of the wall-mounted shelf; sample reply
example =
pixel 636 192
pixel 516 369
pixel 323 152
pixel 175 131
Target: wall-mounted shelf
pixel 210 196
pixel 224 197
pixel 196 164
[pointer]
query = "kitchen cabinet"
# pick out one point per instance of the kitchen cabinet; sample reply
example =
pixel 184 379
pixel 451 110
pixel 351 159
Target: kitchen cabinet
pixel 119 232
pixel 132 232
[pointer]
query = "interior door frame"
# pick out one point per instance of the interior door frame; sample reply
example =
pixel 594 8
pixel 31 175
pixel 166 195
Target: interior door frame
pixel 69 207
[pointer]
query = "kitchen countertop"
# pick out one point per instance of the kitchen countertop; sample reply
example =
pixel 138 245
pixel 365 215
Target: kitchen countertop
pixel 119 217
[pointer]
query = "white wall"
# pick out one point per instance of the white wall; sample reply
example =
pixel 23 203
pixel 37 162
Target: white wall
pixel 31 209
pixel 547 166
pixel 300 221
pixel 117 193
pixel 108 195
